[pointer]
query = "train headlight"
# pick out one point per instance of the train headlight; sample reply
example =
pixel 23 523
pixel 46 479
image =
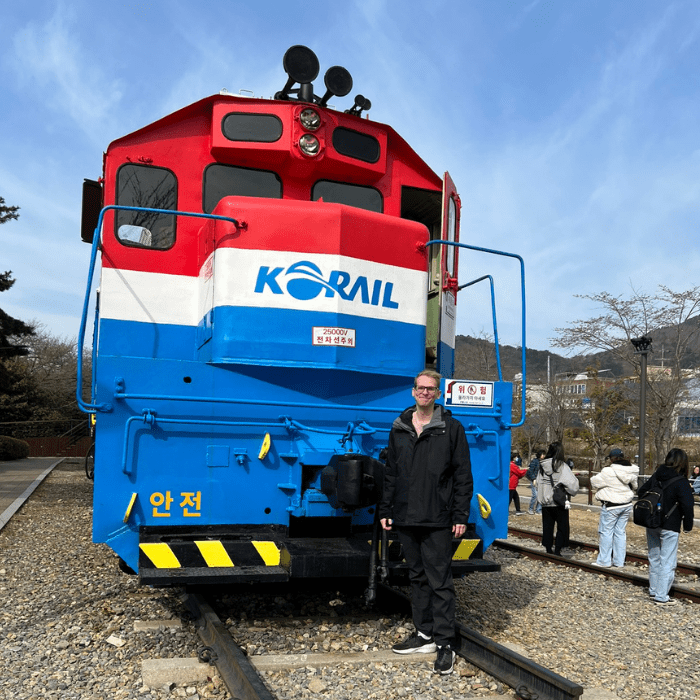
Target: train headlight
pixel 309 145
pixel 310 119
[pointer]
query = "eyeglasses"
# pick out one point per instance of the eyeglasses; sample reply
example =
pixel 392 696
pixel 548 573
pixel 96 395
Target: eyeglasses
pixel 425 389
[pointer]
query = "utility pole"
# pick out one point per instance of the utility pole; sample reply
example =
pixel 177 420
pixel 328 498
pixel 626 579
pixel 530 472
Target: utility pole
pixel 642 346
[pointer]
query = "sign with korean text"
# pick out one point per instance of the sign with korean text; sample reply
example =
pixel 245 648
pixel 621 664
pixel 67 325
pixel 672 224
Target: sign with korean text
pixel 463 392
pixel 334 337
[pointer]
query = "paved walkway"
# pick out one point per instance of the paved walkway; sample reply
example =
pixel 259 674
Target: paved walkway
pixel 18 479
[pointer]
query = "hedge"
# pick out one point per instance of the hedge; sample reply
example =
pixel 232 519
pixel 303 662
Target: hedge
pixel 12 448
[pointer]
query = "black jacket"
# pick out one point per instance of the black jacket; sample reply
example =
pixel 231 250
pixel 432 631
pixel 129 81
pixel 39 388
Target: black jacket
pixel 679 493
pixel 428 478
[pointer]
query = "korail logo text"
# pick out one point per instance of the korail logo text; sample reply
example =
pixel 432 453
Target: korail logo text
pixel 304 280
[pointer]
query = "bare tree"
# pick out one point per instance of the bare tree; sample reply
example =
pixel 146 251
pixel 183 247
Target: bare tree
pixel 602 416
pixel 44 381
pixel 671 317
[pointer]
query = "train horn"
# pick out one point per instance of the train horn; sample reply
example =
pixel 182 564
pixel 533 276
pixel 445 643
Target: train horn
pixel 301 65
pixel 338 82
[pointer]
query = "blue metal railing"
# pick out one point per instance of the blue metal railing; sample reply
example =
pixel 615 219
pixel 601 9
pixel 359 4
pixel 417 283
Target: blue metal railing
pixel 522 293
pixel 93 407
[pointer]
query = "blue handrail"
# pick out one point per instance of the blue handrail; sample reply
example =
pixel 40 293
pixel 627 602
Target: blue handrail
pixel 522 294
pixel 493 313
pixel 93 407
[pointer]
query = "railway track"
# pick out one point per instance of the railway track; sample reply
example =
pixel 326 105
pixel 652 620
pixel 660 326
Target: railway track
pixel 677 591
pixel 527 678
pixel 631 558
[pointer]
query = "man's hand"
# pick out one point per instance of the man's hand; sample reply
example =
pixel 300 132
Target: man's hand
pixel 386 523
pixel 458 530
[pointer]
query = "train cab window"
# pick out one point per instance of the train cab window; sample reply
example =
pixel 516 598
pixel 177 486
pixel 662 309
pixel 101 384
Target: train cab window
pixel 425 206
pixel 451 235
pixel 355 144
pixel 226 180
pixel 260 128
pixel 152 188
pixel 352 195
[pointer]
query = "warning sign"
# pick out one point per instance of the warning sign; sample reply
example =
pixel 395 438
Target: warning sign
pixel 463 392
pixel 339 337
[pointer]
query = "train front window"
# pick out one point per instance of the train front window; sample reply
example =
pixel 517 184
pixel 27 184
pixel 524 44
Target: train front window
pixel 148 187
pixel 355 144
pixel 258 128
pixel 226 180
pixel 352 195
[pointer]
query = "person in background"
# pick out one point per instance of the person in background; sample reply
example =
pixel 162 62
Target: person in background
pixel 516 473
pixel 427 493
pixel 533 470
pixel 615 486
pixel 695 481
pixel 677 509
pixel 554 471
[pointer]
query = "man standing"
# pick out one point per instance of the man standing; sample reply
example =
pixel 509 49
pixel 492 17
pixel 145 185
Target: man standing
pixel 427 491
pixel 615 486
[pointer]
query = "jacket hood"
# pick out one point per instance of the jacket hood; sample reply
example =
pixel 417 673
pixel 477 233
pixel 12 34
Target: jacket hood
pixel 618 468
pixel 405 420
pixel 664 473
pixel 546 465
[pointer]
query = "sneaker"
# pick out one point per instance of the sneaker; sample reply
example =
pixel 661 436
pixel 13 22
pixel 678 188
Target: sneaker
pixel 531 512
pixel 445 661
pixel 415 644
pixel 519 512
pixel 670 601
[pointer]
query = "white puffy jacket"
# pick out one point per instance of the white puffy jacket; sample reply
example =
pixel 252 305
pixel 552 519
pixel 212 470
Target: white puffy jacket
pixel 616 483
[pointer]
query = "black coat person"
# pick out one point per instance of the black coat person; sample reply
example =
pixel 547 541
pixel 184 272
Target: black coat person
pixel 427 492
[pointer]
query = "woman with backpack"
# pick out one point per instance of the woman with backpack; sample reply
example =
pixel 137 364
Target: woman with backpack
pixel 555 484
pixel 676 506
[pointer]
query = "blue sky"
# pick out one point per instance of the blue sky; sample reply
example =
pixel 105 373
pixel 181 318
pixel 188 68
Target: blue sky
pixel 571 129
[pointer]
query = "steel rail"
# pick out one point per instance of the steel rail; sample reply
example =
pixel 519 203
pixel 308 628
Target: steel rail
pixel 676 591
pixel 632 557
pixel 236 671
pixel 526 677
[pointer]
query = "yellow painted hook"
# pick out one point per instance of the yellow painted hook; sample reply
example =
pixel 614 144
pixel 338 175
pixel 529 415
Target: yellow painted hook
pixel 264 447
pixel 484 506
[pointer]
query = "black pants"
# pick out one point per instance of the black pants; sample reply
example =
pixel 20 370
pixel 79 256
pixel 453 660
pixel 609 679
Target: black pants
pixel 513 495
pixel 428 553
pixel 550 516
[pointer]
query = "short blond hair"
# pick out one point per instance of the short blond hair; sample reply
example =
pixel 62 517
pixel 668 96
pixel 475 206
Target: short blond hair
pixel 428 373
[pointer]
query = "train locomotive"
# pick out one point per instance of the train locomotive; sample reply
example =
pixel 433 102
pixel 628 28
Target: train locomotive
pixel 273 273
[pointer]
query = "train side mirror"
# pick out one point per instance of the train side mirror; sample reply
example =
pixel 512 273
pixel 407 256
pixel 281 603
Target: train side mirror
pixel 92 206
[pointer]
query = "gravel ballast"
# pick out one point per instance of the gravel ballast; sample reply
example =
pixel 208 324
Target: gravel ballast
pixel 67 622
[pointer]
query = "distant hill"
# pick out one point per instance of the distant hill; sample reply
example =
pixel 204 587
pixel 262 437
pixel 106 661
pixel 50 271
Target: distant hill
pixel 475 358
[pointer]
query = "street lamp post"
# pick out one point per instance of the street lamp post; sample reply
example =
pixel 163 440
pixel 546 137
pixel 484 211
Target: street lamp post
pixel 642 346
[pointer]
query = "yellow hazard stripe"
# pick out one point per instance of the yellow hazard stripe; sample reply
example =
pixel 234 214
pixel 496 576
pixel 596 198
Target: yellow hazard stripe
pixel 465 549
pixel 269 552
pixel 214 553
pixel 160 554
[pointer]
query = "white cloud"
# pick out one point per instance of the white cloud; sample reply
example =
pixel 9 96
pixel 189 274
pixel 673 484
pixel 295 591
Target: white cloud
pixel 48 60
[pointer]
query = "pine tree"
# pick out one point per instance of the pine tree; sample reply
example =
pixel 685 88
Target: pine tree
pixel 11 329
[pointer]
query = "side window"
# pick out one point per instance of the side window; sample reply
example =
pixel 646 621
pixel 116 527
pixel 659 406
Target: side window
pixel 148 187
pixel 226 180
pixel 451 231
pixel 352 195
